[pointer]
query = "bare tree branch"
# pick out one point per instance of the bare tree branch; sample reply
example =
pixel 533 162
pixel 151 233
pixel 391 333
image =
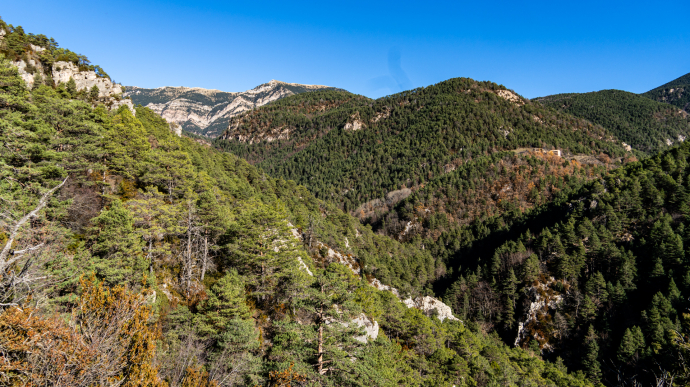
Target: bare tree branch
pixel 4 263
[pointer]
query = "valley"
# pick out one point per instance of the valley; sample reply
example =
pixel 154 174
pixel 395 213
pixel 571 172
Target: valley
pixel 454 234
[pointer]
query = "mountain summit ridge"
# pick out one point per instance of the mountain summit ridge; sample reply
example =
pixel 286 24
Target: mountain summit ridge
pixel 208 111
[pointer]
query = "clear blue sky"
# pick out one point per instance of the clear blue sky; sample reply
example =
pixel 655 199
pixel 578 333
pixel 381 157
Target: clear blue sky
pixel 372 48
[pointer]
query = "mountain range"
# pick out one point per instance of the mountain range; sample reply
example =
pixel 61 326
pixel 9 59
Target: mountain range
pixel 456 234
pixel 207 112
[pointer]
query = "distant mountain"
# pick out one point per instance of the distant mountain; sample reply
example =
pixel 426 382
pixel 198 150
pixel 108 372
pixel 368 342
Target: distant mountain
pixel 206 111
pixel 676 92
pixel 645 125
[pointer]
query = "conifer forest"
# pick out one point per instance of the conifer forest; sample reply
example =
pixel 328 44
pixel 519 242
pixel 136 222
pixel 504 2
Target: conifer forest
pixel 452 235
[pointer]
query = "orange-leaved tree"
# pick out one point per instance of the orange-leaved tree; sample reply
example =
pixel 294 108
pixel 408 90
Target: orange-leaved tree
pixel 109 340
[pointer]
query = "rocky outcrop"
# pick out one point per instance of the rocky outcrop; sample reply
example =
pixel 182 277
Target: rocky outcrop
pixel 31 69
pixel 355 123
pixel 543 301
pixel 85 80
pixel 371 329
pixel 208 112
pixel 431 307
pixel 510 96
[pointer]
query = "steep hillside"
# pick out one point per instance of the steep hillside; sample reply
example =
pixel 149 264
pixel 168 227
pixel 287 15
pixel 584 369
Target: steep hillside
pixel 599 277
pixel 207 112
pixel 647 126
pixel 480 190
pixel 135 257
pixel 676 92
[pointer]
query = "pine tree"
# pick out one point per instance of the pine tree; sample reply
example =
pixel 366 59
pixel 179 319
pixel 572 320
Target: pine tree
pixel 126 144
pixel 119 250
pixel 590 361
pixel 627 346
pixel 264 250
pixel 589 308
pixel 530 269
pixel 509 290
pixel 596 287
pixel 155 220
pixel 71 87
pixel 226 301
pixel 331 301
pixel 94 92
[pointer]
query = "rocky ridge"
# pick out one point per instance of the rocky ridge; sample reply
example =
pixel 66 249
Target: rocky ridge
pixel 32 69
pixel 207 111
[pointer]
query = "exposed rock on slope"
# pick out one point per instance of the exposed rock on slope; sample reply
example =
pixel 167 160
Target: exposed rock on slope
pixel 679 96
pixel 206 111
pixel 429 305
pixel 544 301
pixel 31 69
pixel 63 71
pixel 676 92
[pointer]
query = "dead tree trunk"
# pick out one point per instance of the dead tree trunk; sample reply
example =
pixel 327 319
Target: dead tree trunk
pixel 205 260
pixel 188 263
pixel 319 360
pixel 5 261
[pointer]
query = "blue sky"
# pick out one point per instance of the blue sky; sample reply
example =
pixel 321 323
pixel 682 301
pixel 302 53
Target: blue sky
pixel 372 48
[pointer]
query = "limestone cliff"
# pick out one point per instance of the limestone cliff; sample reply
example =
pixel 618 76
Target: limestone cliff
pixel 32 68
pixel 207 111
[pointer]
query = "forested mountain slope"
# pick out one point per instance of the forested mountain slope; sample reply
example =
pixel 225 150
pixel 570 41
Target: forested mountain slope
pixel 136 257
pixel 207 112
pixel 350 150
pixel 600 276
pixel 645 125
pixel 676 92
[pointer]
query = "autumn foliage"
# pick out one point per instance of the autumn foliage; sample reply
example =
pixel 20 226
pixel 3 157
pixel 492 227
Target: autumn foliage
pixel 108 340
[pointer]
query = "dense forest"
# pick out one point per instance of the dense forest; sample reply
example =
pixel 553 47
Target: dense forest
pixel 480 190
pixel 134 257
pixel 647 126
pixel 602 275
pixel 350 150
pixel 676 92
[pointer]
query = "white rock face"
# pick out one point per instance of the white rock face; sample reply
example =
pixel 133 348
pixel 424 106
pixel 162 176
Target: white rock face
pixel 431 306
pixel 207 111
pixel 26 76
pixel 371 329
pixel 355 123
pixel 627 147
pixel 510 96
pixel 63 71
pixel 380 286
pixel 175 128
pixel 342 258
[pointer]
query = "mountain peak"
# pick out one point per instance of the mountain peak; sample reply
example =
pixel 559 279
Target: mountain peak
pixel 208 111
